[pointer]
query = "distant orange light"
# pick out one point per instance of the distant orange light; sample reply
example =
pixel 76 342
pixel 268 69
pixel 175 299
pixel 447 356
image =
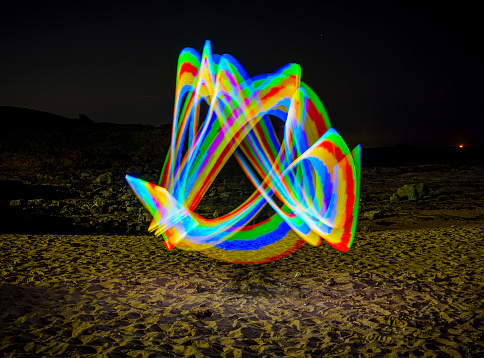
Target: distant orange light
pixel 461 146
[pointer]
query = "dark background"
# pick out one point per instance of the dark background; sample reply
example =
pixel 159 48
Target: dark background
pixel 389 73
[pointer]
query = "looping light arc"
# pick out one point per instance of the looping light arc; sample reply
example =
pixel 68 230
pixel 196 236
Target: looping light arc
pixel 311 171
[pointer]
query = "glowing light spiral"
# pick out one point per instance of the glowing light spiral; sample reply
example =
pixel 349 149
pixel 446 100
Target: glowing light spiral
pixel 312 171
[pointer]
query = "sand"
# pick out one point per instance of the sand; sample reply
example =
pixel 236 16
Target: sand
pixel 395 293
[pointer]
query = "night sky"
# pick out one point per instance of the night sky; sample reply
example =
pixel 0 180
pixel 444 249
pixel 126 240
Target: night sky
pixel 389 73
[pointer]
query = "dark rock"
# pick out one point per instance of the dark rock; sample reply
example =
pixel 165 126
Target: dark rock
pixel 394 198
pixel 105 178
pixel 113 208
pixel 98 205
pixel 410 192
pixel 134 170
pixel 372 215
pixel 107 193
pixel 17 202
pixel 144 217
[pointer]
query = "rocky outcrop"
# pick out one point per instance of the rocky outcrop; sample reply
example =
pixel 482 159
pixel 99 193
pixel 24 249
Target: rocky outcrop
pixel 410 192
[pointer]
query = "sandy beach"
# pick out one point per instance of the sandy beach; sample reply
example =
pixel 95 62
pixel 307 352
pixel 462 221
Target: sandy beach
pixel 396 293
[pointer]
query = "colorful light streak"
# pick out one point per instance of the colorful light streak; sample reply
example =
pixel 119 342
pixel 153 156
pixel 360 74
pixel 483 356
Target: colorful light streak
pixel 312 171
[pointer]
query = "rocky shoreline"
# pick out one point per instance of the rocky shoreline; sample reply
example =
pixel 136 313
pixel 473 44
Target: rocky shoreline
pixel 95 201
pixel 60 175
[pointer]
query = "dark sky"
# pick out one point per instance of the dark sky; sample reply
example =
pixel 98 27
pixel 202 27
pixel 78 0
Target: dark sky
pixel 388 72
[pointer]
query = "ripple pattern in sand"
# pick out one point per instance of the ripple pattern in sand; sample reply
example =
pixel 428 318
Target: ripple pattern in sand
pixel 404 293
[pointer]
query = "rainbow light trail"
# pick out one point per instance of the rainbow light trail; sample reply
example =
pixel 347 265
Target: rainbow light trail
pixel 312 171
